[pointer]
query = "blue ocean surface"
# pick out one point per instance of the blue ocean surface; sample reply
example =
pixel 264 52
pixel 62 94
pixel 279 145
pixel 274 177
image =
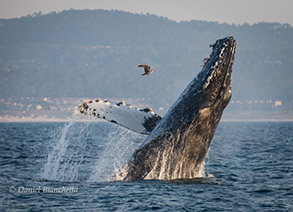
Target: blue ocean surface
pixel 70 167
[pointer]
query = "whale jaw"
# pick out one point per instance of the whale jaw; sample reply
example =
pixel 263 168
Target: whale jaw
pixel 177 147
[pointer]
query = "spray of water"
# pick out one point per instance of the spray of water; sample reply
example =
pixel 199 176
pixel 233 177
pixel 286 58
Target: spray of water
pixel 87 151
pixel 120 145
pixel 61 161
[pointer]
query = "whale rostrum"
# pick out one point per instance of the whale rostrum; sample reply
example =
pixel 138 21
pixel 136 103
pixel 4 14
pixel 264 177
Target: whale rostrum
pixel 178 143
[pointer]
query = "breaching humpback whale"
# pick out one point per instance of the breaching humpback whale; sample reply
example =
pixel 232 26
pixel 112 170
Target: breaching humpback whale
pixel 177 143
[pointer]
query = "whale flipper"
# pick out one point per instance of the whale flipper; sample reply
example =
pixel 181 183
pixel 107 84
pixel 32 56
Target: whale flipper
pixel 142 121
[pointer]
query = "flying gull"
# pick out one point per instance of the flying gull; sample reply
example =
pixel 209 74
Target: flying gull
pixel 147 69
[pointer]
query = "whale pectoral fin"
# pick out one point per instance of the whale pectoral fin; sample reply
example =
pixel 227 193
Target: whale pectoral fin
pixel 142 121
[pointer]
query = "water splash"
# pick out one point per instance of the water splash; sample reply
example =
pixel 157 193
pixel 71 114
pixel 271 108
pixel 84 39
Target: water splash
pixel 120 146
pixel 61 162
pixel 89 151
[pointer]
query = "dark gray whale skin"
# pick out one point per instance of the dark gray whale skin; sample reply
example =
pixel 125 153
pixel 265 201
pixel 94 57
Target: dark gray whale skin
pixel 177 146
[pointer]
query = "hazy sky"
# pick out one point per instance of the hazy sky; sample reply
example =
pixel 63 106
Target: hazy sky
pixel 229 11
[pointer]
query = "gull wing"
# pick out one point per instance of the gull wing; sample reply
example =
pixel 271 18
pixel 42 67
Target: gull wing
pixel 143 65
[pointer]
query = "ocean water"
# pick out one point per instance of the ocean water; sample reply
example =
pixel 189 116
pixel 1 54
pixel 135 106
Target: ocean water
pixel 69 167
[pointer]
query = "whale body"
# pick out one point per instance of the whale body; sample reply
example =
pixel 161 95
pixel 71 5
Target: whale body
pixel 178 143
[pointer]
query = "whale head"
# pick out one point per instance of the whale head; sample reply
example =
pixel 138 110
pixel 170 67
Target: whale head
pixel 207 94
pixel 215 83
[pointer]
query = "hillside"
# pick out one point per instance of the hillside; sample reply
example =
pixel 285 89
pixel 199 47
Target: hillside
pixel 96 53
